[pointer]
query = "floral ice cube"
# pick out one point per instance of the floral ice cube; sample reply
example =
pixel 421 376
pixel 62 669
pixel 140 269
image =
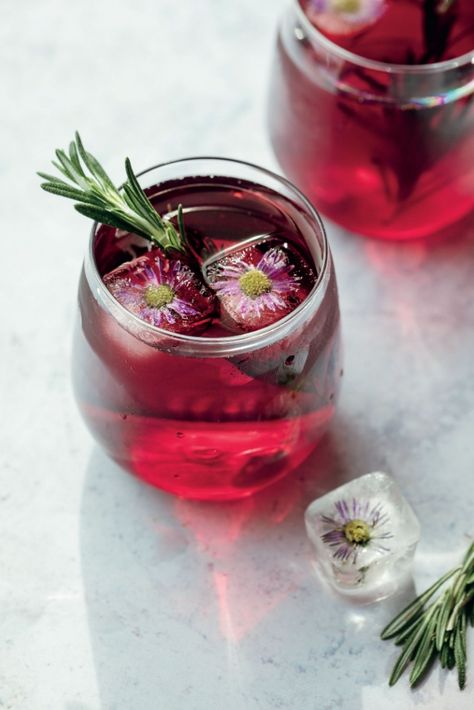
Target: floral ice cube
pixel 344 17
pixel 259 283
pixel 365 535
pixel 164 292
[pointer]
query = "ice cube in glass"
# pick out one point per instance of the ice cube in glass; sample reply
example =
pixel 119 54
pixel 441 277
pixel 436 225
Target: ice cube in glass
pixel 259 281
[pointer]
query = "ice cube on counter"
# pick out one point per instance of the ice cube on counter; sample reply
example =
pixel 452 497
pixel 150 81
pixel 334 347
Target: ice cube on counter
pixel 364 535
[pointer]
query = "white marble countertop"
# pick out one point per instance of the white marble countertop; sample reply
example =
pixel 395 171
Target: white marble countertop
pixel 115 596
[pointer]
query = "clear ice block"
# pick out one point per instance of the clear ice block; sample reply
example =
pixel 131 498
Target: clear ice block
pixel 365 535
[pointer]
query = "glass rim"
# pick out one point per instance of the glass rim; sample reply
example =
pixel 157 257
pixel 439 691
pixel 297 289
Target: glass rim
pixel 387 67
pixel 230 344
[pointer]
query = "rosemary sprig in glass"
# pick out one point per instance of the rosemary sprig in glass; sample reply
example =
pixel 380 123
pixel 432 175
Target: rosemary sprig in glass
pixel 97 197
pixel 438 20
pixel 436 630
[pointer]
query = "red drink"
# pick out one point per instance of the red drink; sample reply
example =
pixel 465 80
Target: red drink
pixel 376 124
pixel 218 415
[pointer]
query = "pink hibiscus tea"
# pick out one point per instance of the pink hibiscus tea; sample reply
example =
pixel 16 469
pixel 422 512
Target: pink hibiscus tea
pixel 371 111
pixel 213 371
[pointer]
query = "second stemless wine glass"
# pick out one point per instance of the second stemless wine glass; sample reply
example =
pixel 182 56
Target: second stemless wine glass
pixel 386 150
pixel 220 416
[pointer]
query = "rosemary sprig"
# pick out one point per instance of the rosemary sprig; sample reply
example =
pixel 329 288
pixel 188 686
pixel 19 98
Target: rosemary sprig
pixel 97 197
pixel 427 631
pixel 438 20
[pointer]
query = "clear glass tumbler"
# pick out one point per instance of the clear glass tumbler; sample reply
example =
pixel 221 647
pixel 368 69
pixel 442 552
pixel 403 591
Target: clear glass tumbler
pixel 220 415
pixel 383 149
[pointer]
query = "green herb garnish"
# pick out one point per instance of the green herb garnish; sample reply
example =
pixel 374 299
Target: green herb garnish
pixel 439 17
pixel 97 197
pixel 437 630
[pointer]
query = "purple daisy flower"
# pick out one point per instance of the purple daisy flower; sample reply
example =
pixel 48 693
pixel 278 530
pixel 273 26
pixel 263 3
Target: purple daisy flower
pixel 356 525
pixel 162 292
pixel 257 287
pixel 341 17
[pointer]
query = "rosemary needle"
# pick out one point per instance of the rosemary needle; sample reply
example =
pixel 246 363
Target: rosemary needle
pixel 436 629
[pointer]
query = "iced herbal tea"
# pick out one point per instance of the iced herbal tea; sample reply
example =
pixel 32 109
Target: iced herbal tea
pixel 229 384
pixel 372 114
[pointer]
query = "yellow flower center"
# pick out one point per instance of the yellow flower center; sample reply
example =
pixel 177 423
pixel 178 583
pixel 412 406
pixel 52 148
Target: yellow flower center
pixel 346 5
pixel 255 283
pixel 357 531
pixel 158 296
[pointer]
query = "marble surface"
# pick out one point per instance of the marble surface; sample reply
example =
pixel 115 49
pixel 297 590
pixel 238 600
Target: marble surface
pixel 118 597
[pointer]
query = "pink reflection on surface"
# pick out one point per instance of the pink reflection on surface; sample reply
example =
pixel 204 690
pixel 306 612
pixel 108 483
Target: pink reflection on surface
pixel 392 259
pixel 230 539
pixel 241 610
pixel 401 267
pixel 216 530
pixel 419 288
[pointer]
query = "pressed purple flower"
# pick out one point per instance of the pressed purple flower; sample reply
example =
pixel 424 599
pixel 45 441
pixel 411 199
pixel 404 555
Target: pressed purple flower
pixel 355 525
pixel 344 16
pixel 162 292
pixel 257 287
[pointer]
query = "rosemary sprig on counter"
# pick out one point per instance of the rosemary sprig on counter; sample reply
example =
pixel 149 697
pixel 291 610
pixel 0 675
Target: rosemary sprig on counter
pixel 436 630
pixel 97 197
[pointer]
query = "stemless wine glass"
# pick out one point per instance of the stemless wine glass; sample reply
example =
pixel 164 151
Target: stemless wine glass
pixel 386 150
pixel 212 416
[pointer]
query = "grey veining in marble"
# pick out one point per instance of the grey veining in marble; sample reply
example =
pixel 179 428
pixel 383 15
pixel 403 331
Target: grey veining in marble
pixel 118 597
